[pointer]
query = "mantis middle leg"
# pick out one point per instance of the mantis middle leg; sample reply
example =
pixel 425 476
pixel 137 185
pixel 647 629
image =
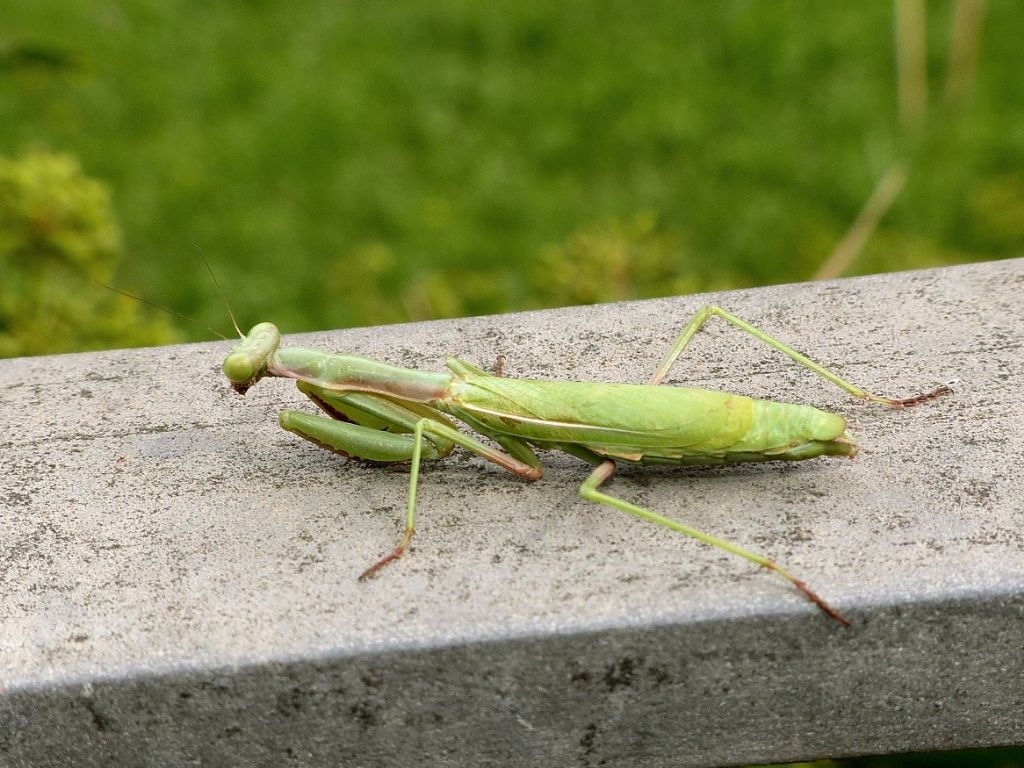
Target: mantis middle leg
pixel 707 312
pixel 428 426
pixel 377 429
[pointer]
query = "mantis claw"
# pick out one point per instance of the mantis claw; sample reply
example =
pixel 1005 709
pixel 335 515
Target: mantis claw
pixel 828 609
pixel 390 557
pixel 909 402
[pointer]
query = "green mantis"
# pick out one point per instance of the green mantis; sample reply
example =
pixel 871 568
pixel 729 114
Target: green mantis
pixel 380 413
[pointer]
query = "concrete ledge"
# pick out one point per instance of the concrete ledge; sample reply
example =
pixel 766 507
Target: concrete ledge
pixel 177 575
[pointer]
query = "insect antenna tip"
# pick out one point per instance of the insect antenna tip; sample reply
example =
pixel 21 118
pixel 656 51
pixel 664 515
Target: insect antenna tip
pixel 161 307
pixel 220 290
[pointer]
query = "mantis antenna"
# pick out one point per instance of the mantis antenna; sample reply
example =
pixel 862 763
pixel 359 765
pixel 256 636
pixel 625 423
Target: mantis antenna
pixel 220 290
pixel 162 308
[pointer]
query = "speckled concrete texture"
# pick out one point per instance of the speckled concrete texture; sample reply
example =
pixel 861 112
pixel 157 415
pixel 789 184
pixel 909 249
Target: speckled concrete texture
pixel 178 575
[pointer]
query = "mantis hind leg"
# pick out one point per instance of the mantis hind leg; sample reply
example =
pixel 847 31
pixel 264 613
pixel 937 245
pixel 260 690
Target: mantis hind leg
pixel 706 313
pixel 589 490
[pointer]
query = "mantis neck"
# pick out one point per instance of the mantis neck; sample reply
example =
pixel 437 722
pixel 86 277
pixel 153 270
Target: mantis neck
pixel 357 374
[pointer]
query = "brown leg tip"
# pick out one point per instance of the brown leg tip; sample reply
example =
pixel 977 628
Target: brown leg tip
pixel 909 402
pixel 370 572
pixel 825 607
pixel 836 615
pixel 390 557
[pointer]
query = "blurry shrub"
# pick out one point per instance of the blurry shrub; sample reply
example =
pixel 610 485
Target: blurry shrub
pixel 614 261
pixel 617 260
pixel 894 250
pixel 58 238
pixel 457 292
pixel 367 277
pixel 997 205
pixel 380 288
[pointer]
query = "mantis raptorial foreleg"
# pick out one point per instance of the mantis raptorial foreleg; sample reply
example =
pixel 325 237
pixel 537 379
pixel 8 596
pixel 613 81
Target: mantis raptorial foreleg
pixel 704 314
pixel 365 427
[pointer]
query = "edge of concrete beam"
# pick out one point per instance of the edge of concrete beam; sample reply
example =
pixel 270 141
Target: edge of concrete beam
pixel 178 574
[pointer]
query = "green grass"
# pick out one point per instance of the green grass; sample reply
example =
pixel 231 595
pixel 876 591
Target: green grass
pixel 355 163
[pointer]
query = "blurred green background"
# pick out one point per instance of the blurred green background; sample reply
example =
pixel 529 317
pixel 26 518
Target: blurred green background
pixel 362 163
pixel 345 163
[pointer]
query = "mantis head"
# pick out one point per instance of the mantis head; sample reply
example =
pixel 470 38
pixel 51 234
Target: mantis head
pixel 247 362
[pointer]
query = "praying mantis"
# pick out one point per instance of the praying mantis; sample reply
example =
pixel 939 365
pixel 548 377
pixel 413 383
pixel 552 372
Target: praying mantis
pixel 377 412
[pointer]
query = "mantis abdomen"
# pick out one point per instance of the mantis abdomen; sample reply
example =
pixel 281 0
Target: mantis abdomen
pixel 644 424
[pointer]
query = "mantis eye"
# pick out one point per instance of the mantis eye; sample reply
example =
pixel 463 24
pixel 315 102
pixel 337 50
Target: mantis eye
pixel 242 369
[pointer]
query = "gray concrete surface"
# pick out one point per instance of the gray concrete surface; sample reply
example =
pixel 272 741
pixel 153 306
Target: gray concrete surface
pixel 178 576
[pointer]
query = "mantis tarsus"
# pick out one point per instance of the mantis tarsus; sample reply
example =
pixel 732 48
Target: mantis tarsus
pixel 380 413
